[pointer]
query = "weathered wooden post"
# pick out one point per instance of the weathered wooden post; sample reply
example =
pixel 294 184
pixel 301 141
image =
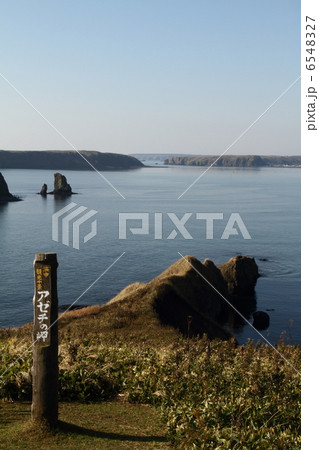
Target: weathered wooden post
pixel 45 337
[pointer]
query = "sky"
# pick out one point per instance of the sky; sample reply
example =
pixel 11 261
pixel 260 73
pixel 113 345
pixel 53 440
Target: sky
pixel 150 76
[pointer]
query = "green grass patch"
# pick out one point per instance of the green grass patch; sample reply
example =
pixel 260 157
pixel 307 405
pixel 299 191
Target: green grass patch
pixel 100 425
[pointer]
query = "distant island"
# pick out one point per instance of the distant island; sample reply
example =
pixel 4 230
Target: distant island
pixel 66 160
pixel 158 156
pixel 72 160
pixel 235 161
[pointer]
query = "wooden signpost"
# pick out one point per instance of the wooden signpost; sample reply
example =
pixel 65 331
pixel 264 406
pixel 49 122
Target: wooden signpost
pixel 45 337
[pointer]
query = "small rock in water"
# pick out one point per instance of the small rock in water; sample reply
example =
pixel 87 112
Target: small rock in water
pixel 44 190
pixel 261 320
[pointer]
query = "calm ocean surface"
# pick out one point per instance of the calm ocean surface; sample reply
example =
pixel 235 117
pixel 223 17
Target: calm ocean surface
pixel 268 201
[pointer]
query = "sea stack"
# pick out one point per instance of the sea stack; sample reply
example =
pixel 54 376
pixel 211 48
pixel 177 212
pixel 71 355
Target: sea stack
pixel 5 195
pixel 240 274
pixel 44 190
pixel 61 186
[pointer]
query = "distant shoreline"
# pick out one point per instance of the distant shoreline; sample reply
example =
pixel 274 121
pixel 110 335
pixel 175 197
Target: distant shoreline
pixel 91 160
pixel 66 160
pixel 236 161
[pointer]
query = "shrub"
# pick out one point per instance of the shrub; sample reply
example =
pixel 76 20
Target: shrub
pixel 212 394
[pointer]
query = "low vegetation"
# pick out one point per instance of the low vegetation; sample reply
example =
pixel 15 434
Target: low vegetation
pixel 211 394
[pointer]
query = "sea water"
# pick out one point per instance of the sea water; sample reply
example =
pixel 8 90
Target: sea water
pixel 267 200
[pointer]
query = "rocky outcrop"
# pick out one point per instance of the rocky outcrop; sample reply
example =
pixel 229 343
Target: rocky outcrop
pixel 179 296
pixel 189 298
pixel 261 320
pixel 5 195
pixel 240 274
pixel 184 293
pixel 183 296
pixel 4 190
pixel 44 190
pixel 61 186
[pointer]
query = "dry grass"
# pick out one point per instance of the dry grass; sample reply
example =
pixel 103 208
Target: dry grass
pixel 155 312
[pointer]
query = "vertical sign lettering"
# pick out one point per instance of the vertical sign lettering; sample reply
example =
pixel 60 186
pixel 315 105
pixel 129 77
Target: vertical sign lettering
pixel 45 336
pixel 42 305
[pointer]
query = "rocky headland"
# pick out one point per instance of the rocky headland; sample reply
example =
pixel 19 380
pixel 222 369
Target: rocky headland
pixel 181 300
pixel 190 298
pixel 5 195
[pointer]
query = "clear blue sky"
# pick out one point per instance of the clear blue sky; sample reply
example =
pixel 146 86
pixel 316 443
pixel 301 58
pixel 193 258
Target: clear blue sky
pixel 169 76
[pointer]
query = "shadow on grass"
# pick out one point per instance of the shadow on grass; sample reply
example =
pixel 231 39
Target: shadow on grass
pixel 12 414
pixel 65 427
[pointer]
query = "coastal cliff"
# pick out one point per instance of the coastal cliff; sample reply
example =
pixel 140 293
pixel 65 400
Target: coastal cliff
pixel 236 161
pixel 187 299
pixel 5 195
pixel 66 160
pixel 179 301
